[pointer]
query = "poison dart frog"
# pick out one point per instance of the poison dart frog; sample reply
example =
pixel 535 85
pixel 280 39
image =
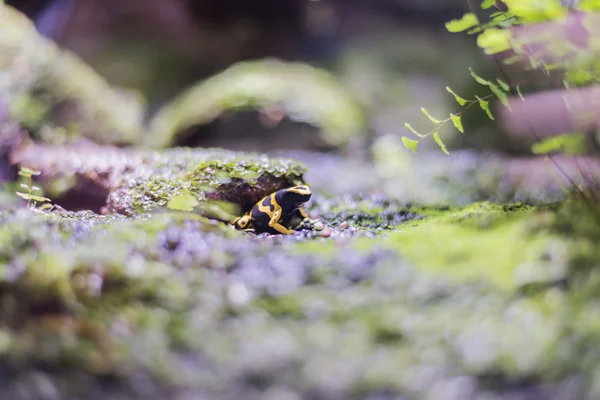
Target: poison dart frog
pixel 276 212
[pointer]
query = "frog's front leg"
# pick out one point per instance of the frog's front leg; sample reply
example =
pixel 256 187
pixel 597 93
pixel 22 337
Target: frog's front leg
pixel 302 213
pixel 274 223
pixel 298 216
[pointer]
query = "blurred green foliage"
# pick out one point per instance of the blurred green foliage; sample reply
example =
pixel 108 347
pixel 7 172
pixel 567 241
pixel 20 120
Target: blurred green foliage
pixel 581 66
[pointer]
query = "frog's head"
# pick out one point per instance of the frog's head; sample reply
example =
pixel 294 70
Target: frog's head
pixel 294 196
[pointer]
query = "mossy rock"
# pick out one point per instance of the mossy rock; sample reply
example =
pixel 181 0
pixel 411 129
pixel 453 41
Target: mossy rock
pixel 304 93
pixel 194 308
pixel 112 180
pixel 55 95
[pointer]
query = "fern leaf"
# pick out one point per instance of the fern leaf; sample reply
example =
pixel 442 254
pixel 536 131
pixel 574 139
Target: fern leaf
pixel 459 99
pixel 432 119
pixel 457 122
pixel 410 144
pixel 410 128
pixel 485 106
pixel 438 140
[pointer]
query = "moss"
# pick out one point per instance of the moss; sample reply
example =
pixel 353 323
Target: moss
pixel 366 213
pixel 119 296
pixel 485 299
pixel 235 178
pixel 48 89
pixel 129 181
pixel 505 248
pixel 282 306
pixel 292 87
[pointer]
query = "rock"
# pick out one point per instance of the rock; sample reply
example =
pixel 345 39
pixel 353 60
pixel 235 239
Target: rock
pixel 55 95
pixel 123 181
pixel 276 88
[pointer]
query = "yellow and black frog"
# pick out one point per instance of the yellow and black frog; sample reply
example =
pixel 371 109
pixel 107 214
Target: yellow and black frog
pixel 277 212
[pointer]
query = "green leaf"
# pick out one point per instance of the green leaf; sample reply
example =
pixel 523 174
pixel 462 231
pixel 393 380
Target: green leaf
pixel 485 106
pixel 33 197
pixel 457 122
pixel 501 95
pixel 503 84
pixel 46 206
pixel 569 144
pixel 507 23
pixel 589 5
pixel 221 210
pixel 432 119
pixel 536 10
pixel 479 79
pixel 438 140
pixel 27 172
pixel 519 92
pixel 182 202
pixel 477 29
pixel 512 59
pixel 487 4
pixel 410 144
pixel 579 77
pixel 409 126
pixel 467 21
pixel 494 40
pixel 459 99
pixel 39 199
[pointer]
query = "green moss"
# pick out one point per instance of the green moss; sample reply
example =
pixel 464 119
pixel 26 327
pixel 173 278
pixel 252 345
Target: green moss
pixel 142 181
pixel 489 298
pixel 282 306
pixel 248 167
pixel 480 242
pixel 239 179
pixel 150 295
pixel 39 81
pixel 303 92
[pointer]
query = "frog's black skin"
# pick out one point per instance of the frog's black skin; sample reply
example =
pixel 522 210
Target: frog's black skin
pixel 276 212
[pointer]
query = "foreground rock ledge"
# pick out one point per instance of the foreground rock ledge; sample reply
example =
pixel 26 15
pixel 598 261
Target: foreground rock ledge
pixel 186 308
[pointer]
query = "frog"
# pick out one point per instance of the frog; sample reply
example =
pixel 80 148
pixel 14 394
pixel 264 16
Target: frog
pixel 277 212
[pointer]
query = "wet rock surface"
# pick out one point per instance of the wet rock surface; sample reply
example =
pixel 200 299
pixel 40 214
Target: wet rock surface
pixel 127 181
pixel 373 297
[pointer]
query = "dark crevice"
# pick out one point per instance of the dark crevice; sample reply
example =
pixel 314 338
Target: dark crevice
pixel 250 131
pixel 87 194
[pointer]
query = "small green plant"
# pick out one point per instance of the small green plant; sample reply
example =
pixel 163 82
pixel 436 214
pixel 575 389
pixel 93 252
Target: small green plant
pixel 580 67
pixel 27 175
pixel 499 89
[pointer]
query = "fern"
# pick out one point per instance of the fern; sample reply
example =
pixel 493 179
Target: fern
pixel 499 90
pixel 493 36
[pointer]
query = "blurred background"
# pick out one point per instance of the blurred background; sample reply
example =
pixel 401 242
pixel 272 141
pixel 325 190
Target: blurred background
pixel 392 56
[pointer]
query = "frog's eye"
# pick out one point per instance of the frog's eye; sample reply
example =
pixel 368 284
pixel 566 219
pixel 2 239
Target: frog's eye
pixel 242 221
